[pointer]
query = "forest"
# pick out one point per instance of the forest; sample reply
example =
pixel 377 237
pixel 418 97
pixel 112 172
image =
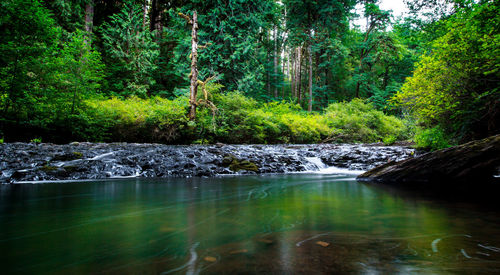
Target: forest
pixel 267 72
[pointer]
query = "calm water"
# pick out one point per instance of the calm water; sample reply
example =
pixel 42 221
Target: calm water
pixel 269 224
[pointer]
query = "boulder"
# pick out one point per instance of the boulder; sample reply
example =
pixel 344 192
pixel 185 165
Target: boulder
pixel 466 167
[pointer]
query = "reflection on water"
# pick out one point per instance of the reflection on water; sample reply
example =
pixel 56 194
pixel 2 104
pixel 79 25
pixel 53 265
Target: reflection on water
pixel 270 224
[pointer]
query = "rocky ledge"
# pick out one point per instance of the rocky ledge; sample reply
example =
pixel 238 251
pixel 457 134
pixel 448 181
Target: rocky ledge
pixel 466 167
pixel 21 162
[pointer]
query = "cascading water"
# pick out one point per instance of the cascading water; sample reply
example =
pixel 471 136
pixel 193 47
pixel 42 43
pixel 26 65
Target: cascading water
pixel 318 167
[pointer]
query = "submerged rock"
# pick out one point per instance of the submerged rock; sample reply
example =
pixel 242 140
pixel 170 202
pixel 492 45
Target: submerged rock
pixel 466 167
pixel 21 162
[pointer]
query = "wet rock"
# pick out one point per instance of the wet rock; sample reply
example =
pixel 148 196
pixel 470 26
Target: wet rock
pixel 21 162
pixel 465 167
pixel 236 164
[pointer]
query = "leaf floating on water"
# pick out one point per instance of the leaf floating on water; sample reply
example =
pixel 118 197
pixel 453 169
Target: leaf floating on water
pixel 210 259
pixel 266 241
pixel 239 251
pixel 323 244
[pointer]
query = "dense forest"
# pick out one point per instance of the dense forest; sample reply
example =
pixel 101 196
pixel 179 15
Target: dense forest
pixel 290 71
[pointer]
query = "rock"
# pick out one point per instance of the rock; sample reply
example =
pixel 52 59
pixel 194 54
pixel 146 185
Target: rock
pixel 236 164
pixel 48 162
pixel 466 166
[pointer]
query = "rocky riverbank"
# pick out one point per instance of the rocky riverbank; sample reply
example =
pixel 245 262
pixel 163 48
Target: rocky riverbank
pixel 22 162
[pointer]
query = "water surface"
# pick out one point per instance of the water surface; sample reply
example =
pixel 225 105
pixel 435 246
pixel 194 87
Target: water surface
pixel 302 223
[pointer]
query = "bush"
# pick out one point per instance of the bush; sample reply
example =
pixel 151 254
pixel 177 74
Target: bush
pixel 358 121
pixel 431 139
pixel 237 119
pixel 135 120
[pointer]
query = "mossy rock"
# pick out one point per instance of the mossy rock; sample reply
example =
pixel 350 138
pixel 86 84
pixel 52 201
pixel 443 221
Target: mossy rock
pixel 68 157
pixel 236 164
pixel 48 168
pixel 71 168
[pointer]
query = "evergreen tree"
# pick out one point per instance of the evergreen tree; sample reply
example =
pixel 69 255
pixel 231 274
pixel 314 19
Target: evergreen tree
pixel 131 53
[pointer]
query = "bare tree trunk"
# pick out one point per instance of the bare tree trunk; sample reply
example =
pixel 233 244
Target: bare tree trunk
pixel 292 74
pixel 275 76
pixel 309 108
pixel 284 73
pixel 144 14
pixel 299 79
pixel 193 88
pixel 89 21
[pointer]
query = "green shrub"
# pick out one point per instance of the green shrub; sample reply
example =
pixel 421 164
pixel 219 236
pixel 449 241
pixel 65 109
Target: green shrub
pixel 36 140
pixel 236 119
pixel 431 138
pixel 138 120
pixel 358 121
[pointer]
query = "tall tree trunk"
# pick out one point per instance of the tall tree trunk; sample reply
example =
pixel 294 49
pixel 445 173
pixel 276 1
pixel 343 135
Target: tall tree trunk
pixel 292 74
pixel 155 24
pixel 193 88
pixel 284 73
pixel 89 21
pixel 299 79
pixel 310 103
pixel 386 77
pixel 275 76
pixel 144 14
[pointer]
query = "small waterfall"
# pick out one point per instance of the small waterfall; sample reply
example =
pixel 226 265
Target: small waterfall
pixel 315 164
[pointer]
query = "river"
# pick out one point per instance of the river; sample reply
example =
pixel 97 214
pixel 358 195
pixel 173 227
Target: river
pixel 305 223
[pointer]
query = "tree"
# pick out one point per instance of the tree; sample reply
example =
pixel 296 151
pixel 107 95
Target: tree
pixel 377 19
pixel 23 51
pixel 456 86
pixel 131 52
pixel 193 76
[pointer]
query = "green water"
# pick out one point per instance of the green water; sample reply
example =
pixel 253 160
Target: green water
pixel 300 223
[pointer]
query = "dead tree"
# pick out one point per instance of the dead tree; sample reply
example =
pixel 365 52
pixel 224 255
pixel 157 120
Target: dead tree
pixel 193 76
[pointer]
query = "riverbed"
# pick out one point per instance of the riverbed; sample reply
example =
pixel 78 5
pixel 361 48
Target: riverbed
pixel 306 223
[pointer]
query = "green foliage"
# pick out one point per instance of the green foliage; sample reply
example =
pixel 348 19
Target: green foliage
pixel 53 81
pixel 358 121
pixel 242 119
pixel 238 119
pixel 24 51
pixel 36 140
pixel 131 52
pixel 456 87
pixel 431 139
pixel 134 119
pixel 77 73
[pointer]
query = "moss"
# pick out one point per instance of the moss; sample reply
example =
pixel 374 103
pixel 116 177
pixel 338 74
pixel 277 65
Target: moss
pixel 236 164
pixel 48 168
pixel 67 157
